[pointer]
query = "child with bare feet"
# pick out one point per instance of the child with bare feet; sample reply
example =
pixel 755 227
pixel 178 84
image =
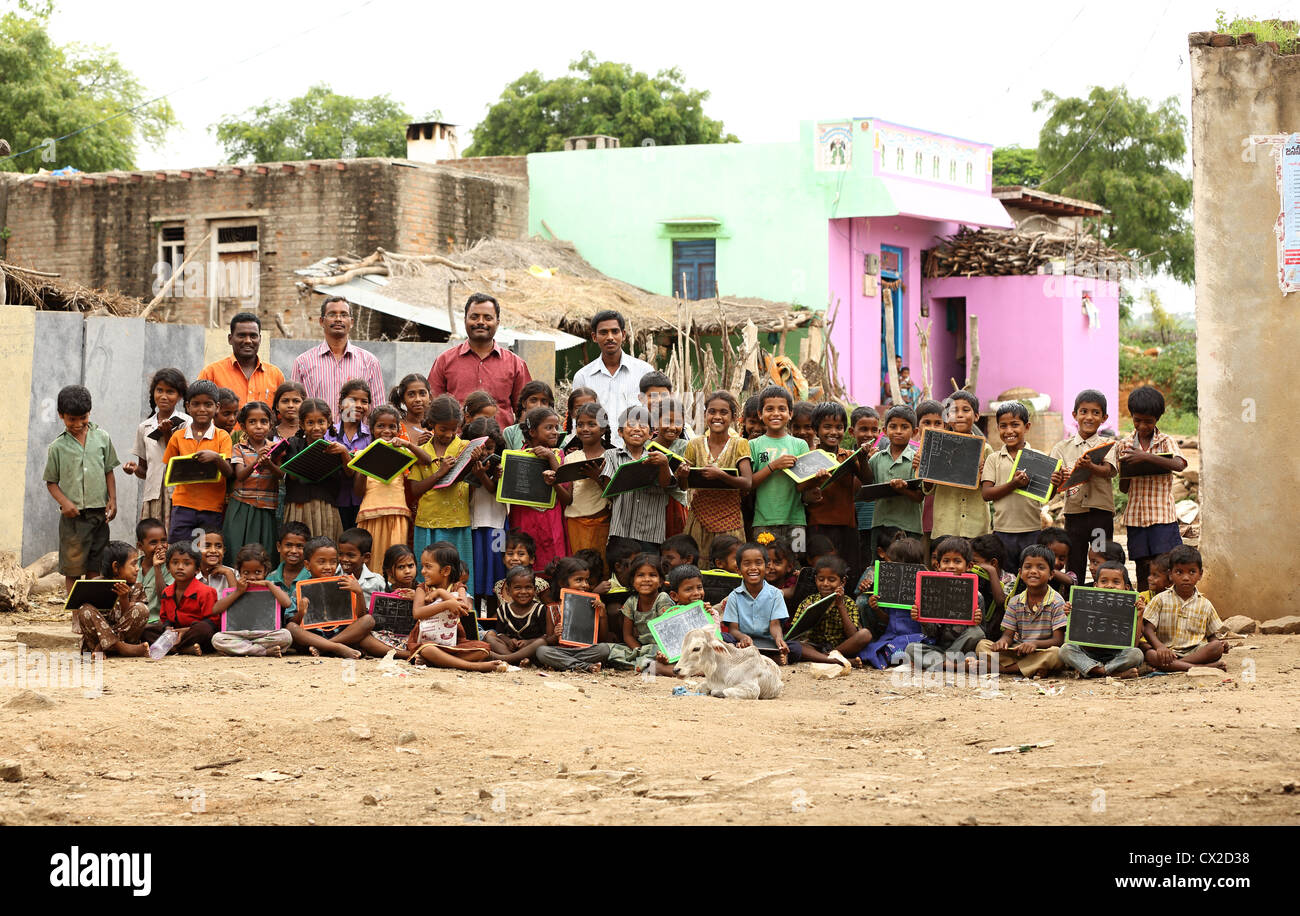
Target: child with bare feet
pixel 638 649
pixel 439 639
pixel 1180 622
pixel 116 630
pixel 1033 627
pixel 570 573
pixel 839 636
pixel 1091 661
pixel 252 565
pixel 186 605
pixel 349 640
pixel 950 642
pixel 522 621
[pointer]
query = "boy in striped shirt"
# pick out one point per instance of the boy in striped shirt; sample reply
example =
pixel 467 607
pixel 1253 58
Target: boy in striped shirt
pixel 1033 627
pixel 1150 517
pixel 1180 623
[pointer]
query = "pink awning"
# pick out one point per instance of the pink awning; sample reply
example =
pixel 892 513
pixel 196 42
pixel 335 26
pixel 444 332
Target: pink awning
pixel 912 198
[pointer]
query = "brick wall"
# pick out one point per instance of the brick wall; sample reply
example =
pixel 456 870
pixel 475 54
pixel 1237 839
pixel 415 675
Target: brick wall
pixel 102 230
pixel 505 166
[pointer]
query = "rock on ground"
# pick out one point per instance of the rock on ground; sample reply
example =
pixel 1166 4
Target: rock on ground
pixel 1289 624
pixel 1242 624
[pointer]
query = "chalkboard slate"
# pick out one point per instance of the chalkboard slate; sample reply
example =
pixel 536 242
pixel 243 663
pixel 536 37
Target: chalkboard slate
pixel 674 460
pixel 313 464
pixel 163 431
pixel 634 475
pixel 806 466
pixel 805 584
pixel 809 617
pixel 98 593
pixel 327 604
pixel 392 612
pixel 1080 474
pixel 695 479
pixel 718 584
pixel 1102 617
pixel 460 468
pixel 894 584
pixel 382 461
pixel 578 619
pixel 946 598
pixel 1040 469
pixel 954 459
pixel 877 491
pixel 1130 469
pixel 844 467
pixel 188 469
pixel 572 471
pixel 521 480
pixel 256 610
pixel 669 629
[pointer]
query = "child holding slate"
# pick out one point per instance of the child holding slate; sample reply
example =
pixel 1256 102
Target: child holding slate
pixel 250 512
pixel 929 415
pixel 166 390
pixel 199 505
pixel 185 607
pixel 443 513
pixel 399 579
pixel 638 650
pixel 1150 516
pixel 957 510
pixel 314 503
pixel 838 636
pixel 893 465
pixel 865 424
pixel 253 565
pixel 570 574
pixel 411 397
pixel 1033 627
pixel 345 639
pixel 778 508
pixel 894 627
pixel 439 639
pixel 587 514
pixel 637 516
pixel 830 505
pixel 117 630
pixel 355 435
pixel 668 418
pixel 487 516
pixel 1089 506
pixel 946 644
pixel 382 510
pixel 540 428
pixel 715 510
pixel 1092 661
pixel 1015 516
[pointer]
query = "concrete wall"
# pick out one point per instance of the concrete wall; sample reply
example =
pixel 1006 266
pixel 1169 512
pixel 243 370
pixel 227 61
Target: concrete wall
pixel 1247 336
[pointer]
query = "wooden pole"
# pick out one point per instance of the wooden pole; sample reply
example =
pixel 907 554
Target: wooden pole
pixel 162 293
pixel 927 371
pixel 972 373
pixel 894 392
pixel 451 313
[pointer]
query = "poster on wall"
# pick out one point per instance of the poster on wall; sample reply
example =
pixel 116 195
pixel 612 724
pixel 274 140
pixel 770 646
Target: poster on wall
pixel 1289 224
pixel 834 146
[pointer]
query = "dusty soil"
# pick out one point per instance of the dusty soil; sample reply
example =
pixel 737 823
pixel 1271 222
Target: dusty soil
pixel 519 747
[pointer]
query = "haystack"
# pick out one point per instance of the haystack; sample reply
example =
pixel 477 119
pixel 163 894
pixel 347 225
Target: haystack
pixel 24 286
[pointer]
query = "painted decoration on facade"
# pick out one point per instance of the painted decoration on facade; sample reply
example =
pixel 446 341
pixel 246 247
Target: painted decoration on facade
pixel 903 152
pixel 1289 240
pixel 834 146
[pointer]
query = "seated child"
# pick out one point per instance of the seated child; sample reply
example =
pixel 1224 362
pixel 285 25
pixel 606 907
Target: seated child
pixel 400 569
pixel 346 640
pixel 893 628
pixel 570 573
pixel 522 620
pixel 213 571
pixel 151 542
pixel 638 650
pixel 1033 626
pixel 686 586
pixel 185 607
pixel 1056 540
pixel 1110 552
pixel 253 566
pixel 838 635
pixel 119 629
pixel 1180 623
pixel 782 568
pixel 989 562
pixel 1157 577
pixel 440 601
pixel 945 645
pixel 722 553
pixel 1091 661
pixel 354 564
pixel 753 612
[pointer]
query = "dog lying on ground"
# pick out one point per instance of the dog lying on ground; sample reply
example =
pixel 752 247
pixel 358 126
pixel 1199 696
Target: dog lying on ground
pixel 743 674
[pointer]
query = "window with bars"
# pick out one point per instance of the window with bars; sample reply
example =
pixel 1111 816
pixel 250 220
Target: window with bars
pixel 229 235
pixel 171 246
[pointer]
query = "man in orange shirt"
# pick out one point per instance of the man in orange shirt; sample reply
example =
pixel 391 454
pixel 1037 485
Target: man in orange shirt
pixel 242 372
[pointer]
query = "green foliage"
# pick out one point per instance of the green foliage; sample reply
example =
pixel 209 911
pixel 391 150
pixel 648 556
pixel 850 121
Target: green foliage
pixel 318 125
pixel 1284 33
pixel 48 90
pixel 536 115
pixel 1015 165
pixel 1173 372
pixel 1115 150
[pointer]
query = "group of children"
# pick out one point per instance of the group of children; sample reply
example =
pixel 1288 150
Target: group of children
pixel 485 577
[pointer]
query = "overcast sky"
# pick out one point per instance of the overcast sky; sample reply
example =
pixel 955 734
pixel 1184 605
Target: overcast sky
pixel 962 68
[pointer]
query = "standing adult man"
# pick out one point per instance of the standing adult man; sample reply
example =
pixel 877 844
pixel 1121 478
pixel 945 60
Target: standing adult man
pixel 243 372
pixel 480 363
pixel 615 376
pixel 323 369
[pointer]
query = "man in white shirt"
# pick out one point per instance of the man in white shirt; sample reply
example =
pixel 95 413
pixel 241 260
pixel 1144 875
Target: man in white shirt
pixel 615 376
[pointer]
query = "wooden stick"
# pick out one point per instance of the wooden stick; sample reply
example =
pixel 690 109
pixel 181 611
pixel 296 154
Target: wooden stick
pixel 972 374
pixel 451 313
pixel 172 279
pixel 894 393
pixel 340 279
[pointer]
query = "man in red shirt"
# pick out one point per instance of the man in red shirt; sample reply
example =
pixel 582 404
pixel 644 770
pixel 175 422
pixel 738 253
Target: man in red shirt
pixel 480 363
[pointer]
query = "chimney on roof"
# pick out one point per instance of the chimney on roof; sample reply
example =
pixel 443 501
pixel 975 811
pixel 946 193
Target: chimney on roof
pixel 429 141
pixel 594 141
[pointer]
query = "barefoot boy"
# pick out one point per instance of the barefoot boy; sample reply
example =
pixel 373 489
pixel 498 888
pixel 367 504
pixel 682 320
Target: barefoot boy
pixel 1181 623
pixel 1091 661
pixel 1033 626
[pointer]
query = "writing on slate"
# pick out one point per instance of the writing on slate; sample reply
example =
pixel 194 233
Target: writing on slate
pixel 947 599
pixel 670 629
pixel 896 583
pixel 1040 468
pixel 1102 617
pixel 951 458
pixel 392 612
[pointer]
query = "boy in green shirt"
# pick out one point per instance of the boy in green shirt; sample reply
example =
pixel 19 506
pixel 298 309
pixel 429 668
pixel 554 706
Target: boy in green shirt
pixel 79 475
pixel 778 507
pixel 893 466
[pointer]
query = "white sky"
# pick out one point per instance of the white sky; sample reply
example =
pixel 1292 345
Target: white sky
pixel 968 69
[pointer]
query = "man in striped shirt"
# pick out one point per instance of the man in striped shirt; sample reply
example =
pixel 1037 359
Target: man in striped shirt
pixel 323 369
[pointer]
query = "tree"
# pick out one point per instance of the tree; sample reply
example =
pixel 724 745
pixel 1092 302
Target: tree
pixel 535 115
pixel 318 125
pixel 49 91
pixel 1014 165
pixel 1116 151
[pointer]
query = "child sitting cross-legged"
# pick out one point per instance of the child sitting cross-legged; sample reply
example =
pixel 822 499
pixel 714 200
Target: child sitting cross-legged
pixel 521 625
pixel 118 629
pixel 1180 623
pixel 439 639
pixel 253 566
pixel 1091 661
pixel 1033 626
pixel 945 645
pixel 569 573
pixel 838 635
pixel 638 649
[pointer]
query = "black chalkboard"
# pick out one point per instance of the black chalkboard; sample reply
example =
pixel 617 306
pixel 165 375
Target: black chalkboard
pixel 578 624
pixel 572 471
pixel 877 491
pixel 718 584
pixel 806 466
pixel 695 479
pixel 313 464
pixel 163 431
pixel 382 461
pixel 955 459
pixel 810 616
pixel 633 475
pixel 1102 617
pixel 894 584
pixel 98 593
pixel 1080 474
pixel 669 629
pixel 1040 469
pixel 945 598
pixel 847 466
pixel 189 469
pixel 1131 469
pixel 392 612
pixel 327 604
pixel 256 610
pixel 462 466
pixel 522 482
pixel 805 584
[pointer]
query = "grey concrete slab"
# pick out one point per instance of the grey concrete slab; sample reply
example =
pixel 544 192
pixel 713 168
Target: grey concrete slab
pixel 114 351
pixel 417 357
pixel 171 345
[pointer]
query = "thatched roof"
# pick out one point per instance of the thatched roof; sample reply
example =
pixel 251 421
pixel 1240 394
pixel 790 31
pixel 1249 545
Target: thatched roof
pixel 24 286
pixel 564 299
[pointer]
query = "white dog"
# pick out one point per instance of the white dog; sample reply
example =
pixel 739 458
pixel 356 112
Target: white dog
pixel 744 674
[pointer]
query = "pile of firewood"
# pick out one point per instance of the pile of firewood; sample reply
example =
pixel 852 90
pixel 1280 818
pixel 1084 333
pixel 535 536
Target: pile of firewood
pixel 997 253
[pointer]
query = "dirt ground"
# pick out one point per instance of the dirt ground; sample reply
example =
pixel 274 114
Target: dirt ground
pixel 387 744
